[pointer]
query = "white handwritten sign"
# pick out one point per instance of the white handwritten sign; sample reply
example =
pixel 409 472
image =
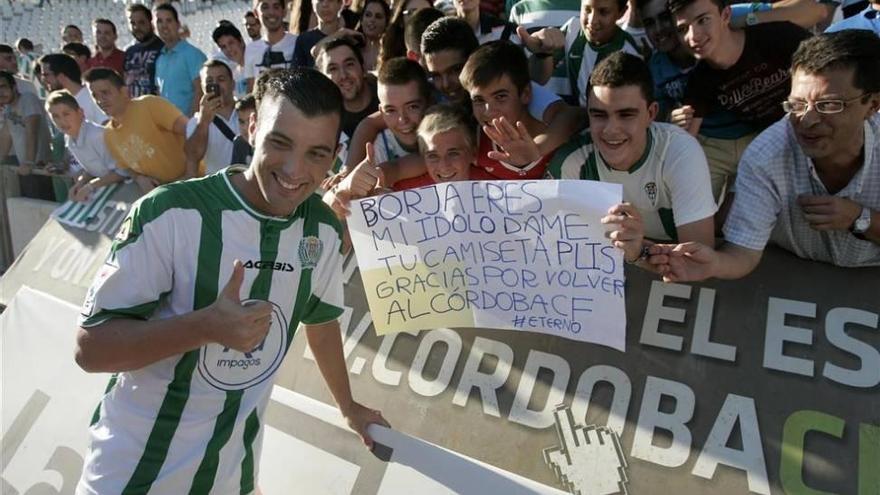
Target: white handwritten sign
pixel 521 255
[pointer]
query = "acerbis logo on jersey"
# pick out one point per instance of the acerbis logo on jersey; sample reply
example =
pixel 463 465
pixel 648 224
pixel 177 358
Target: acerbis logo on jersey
pixel 228 369
pixel 269 265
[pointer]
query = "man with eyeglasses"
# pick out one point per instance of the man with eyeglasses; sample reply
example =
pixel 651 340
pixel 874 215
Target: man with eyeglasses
pixel 811 182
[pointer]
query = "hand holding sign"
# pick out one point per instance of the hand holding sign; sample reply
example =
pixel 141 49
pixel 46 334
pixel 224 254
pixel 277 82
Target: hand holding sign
pixel 365 177
pixel 629 232
pixel 235 325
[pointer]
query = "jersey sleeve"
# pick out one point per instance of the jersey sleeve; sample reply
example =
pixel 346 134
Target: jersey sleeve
pixel 138 271
pixel 756 205
pixel 326 301
pixel 686 176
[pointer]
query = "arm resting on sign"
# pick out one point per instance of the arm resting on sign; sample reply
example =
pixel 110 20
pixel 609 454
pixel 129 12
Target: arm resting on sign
pixel 325 340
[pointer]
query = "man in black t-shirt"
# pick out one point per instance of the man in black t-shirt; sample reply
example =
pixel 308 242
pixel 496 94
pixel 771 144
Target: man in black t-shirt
pixel 141 55
pixel 742 75
pixel 341 61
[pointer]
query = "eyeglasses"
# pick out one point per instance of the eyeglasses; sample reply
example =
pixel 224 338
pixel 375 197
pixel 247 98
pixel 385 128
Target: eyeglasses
pixel 799 108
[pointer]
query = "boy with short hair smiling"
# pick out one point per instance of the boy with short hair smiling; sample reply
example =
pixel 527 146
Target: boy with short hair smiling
pixel 588 39
pixel 497 79
pixel 663 171
pixel 85 140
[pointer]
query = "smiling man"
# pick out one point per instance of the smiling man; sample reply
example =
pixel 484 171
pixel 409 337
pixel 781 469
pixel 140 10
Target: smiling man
pixel 811 182
pixel 179 62
pixel 275 49
pixel 196 342
pixel 742 72
pixel 341 61
pixel 141 55
pixel 662 169
pixel 404 95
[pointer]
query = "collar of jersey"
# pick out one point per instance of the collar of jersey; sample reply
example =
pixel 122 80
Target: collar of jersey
pixel 649 142
pixel 246 205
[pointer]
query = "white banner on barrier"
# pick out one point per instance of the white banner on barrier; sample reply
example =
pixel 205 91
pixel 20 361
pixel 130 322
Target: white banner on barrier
pixel 48 401
pixel 520 255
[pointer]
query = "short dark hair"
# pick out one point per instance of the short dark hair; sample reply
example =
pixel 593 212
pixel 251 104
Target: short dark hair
pixel 246 102
pixel 62 97
pixel 24 44
pixel 416 24
pixel 225 29
pixel 74 26
pixel 138 7
pixel 311 92
pixel 250 13
pixel 213 62
pixel 4 48
pixel 104 21
pixel 169 8
pixel 10 79
pixel 848 49
pixel 61 63
pixel 677 5
pixel 400 70
pixel 623 69
pixel 323 48
pixel 78 48
pixel 449 33
pixel 104 74
pixel 492 61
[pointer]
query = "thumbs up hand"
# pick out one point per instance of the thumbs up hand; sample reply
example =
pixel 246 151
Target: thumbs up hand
pixel 239 326
pixel 544 41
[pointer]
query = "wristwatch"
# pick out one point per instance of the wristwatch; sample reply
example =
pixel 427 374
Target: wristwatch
pixel 862 223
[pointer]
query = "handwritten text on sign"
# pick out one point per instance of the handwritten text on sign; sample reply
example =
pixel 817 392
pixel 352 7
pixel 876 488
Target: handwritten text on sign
pixel 523 255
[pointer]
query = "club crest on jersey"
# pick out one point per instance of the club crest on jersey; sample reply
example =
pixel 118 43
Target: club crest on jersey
pixel 310 249
pixel 228 369
pixel 651 191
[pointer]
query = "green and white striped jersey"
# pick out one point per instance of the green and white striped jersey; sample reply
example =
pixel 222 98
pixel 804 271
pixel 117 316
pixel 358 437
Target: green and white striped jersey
pixel 192 423
pixel 533 14
pixel 581 56
pixel 669 185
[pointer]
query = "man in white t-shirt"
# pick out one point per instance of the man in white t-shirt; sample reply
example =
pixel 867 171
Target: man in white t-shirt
pixel 199 301
pixel 275 48
pixel 212 130
pixel 60 71
pixel 663 171
pixel 85 141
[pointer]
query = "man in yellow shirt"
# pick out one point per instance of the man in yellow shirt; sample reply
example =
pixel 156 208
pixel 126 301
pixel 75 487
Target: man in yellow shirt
pixel 145 135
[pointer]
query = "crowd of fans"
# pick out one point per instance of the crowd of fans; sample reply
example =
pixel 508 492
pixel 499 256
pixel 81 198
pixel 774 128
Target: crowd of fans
pixel 753 122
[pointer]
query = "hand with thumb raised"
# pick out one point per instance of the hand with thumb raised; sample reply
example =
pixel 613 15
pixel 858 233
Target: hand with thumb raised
pixel 235 325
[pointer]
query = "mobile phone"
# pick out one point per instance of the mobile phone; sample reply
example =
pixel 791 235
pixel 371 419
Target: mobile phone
pixel 213 89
